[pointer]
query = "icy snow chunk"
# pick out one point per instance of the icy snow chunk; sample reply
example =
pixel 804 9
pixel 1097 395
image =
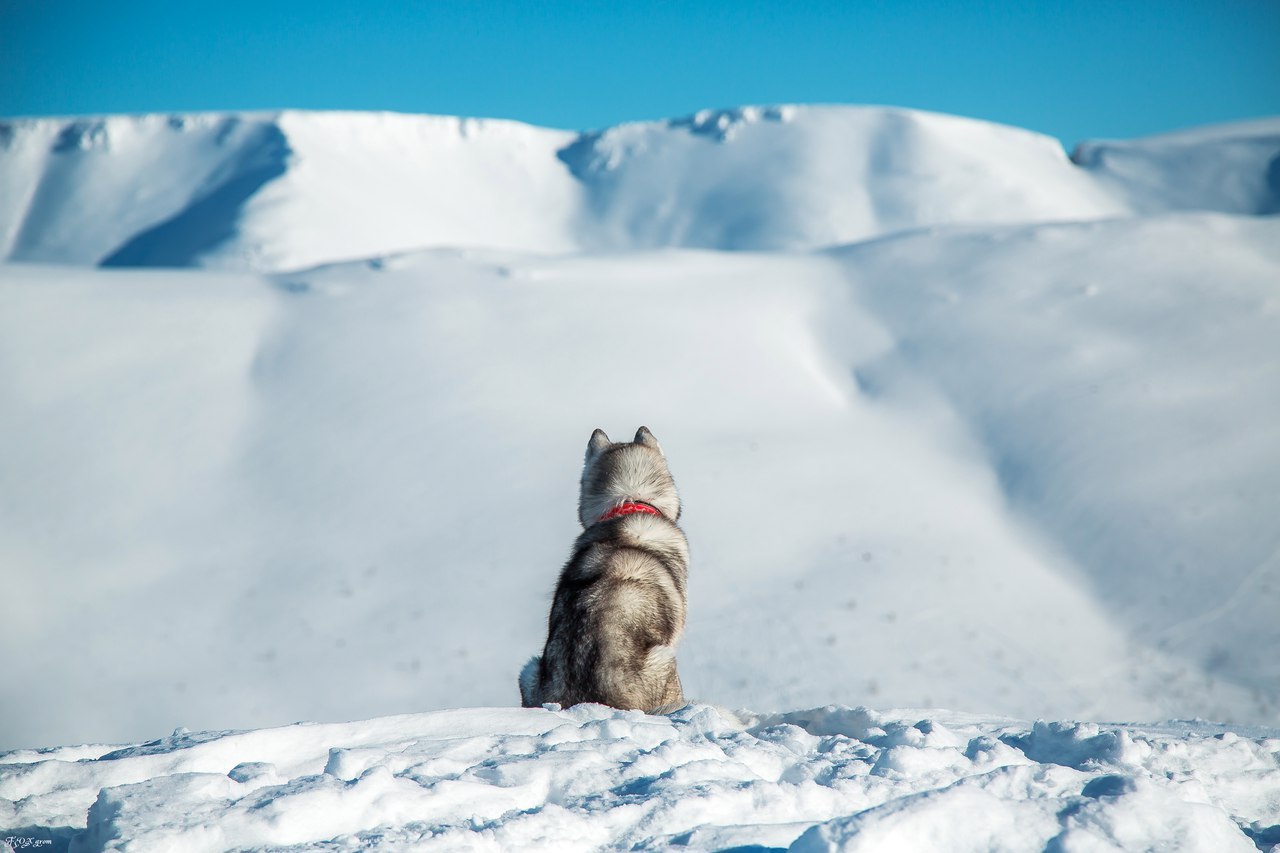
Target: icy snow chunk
pixel 721 125
pixel 1078 745
pixel 986 751
pixel 1140 814
pixel 486 778
pixel 859 723
pixel 916 761
pixel 254 771
pixel 958 818
pixel 82 135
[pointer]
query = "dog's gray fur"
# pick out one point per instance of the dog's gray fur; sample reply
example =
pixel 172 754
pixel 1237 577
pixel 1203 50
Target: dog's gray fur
pixel 619 607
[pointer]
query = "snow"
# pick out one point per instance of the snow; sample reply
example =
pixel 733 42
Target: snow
pixel 288 190
pixel 957 423
pixel 267 483
pixel 1074 377
pixel 592 777
pixel 1231 168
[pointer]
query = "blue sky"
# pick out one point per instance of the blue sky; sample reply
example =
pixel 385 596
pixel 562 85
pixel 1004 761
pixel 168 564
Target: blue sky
pixel 1072 69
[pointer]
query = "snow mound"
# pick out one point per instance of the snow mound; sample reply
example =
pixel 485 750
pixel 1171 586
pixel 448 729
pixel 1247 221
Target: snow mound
pixel 280 191
pixel 592 777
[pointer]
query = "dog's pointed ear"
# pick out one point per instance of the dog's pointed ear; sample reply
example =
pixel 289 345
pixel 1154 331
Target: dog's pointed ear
pixel 643 436
pixel 598 444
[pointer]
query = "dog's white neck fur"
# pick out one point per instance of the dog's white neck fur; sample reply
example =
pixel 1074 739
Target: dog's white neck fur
pixel 639 475
pixel 637 481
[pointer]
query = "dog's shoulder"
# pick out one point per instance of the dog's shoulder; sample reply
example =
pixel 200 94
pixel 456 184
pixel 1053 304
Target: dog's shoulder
pixel 640 531
pixel 654 533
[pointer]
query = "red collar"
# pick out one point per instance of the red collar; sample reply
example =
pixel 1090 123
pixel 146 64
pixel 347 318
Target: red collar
pixel 627 509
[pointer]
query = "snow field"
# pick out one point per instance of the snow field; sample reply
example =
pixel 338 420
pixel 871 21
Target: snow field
pixel 900 483
pixel 957 421
pixel 592 777
pixel 1120 380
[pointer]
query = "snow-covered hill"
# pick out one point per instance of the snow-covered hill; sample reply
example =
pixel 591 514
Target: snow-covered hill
pixel 279 191
pixel 591 778
pixel 1030 471
pixel 996 432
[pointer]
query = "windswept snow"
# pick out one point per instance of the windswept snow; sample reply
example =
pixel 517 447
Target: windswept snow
pixel 957 422
pixel 1091 391
pixel 1027 471
pixel 281 191
pixel 1231 168
pixel 272 191
pixel 592 778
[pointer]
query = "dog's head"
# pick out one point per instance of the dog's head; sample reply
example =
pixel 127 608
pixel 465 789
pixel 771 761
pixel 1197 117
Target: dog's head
pixel 615 473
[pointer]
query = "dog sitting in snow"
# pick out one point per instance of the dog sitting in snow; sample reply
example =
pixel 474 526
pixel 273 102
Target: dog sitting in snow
pixel 619 606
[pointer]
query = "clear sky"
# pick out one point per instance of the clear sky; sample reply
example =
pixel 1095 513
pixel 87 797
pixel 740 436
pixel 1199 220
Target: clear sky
pixel 1072 69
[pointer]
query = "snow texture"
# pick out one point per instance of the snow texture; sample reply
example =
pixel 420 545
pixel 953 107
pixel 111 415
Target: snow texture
pixel 287 190
pixel 294 408
pixel 590 778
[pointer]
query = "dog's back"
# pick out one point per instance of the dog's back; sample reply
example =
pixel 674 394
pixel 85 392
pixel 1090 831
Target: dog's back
pixel 619 607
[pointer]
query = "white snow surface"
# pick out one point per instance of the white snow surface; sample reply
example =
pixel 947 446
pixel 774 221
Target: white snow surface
pixel 591 778
pixel 957 422
pixel 286 190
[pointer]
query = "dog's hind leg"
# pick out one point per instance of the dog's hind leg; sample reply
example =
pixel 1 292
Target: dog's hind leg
pixel 660 672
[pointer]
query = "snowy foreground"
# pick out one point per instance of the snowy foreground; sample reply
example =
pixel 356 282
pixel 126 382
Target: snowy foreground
pixel 591 777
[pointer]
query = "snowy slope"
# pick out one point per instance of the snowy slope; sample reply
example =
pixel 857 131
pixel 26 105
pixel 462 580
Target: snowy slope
pixel 1231 168
pixel 275 190
pixel 1112 398
pixel 279 191
pixel 957 422
pixel 592 778
pixel 1028 471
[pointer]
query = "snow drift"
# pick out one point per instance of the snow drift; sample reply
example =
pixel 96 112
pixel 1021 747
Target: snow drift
pixel 593 778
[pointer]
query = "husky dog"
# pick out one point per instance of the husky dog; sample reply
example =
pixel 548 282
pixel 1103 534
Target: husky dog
pixel 620 604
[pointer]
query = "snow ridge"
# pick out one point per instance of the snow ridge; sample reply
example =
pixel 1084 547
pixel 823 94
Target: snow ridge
pixel 279 191
pixel 957 421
